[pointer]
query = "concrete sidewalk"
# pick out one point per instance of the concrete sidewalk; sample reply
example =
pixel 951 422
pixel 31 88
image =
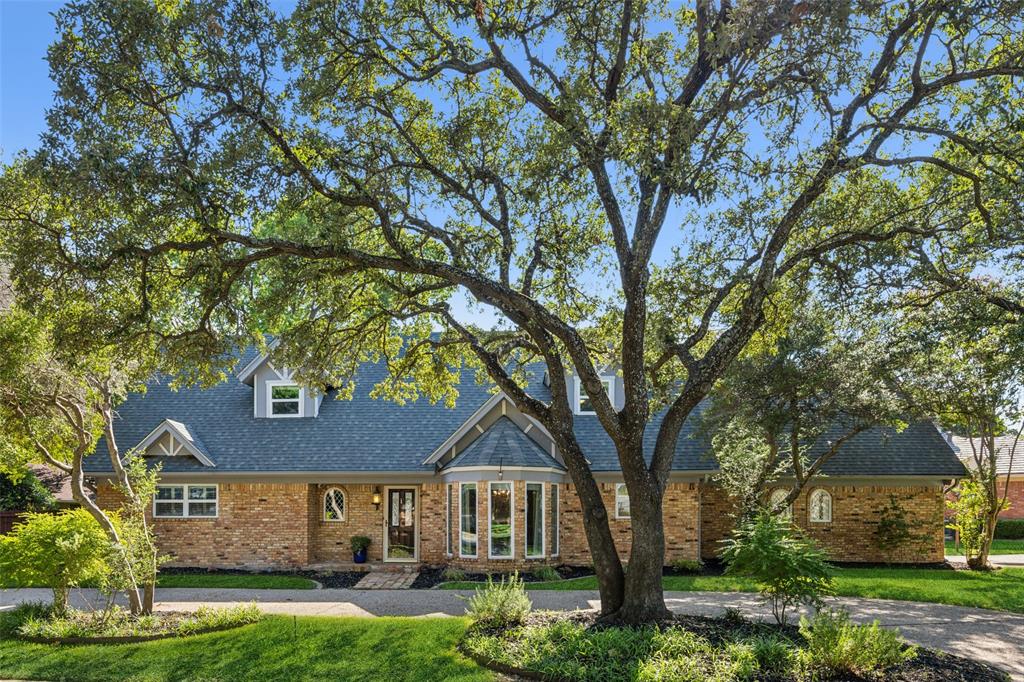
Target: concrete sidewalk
pixel 998 560
pixel 991 636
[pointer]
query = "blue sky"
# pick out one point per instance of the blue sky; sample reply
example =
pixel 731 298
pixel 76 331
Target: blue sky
pixel 26 29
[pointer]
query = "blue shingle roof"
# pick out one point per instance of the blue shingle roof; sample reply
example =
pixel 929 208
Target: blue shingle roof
pixel 368 434
pixel 504 444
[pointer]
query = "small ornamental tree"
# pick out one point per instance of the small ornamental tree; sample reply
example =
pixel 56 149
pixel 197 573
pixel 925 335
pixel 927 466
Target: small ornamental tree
pixel 55 403
pixel 809 382
pixel 789 569
pixel 60 551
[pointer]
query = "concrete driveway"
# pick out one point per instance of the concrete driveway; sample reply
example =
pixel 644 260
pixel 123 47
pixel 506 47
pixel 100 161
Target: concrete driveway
pixel 991 636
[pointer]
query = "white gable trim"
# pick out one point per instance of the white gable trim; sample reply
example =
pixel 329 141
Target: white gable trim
pixel 474 423
pixel 181 436
pixel 464 429
pixel 247 372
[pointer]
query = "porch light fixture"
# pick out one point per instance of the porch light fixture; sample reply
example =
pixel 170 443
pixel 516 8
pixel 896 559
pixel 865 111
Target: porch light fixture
pixel 376 498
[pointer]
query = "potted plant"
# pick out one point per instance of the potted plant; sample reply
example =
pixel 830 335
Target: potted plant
pixel 359 544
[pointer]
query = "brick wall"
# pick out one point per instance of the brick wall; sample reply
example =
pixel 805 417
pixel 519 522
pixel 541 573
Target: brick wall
pixel 851 535
pixel 681 512
pixel 329 540
pixel 259 526
pixel 1015 497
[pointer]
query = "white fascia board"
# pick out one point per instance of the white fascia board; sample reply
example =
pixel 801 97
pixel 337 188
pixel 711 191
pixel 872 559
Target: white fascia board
pixel 464 429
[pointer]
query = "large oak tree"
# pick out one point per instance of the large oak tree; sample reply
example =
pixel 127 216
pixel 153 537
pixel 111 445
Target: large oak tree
pixel 613 182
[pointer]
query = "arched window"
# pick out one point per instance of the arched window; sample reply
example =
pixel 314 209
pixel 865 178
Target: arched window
pixel 821 506
pixel 777 497
pixel 334 505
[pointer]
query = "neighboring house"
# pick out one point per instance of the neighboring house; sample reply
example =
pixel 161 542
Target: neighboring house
pixel 1005 469
pixel 258 472
pixel 53 490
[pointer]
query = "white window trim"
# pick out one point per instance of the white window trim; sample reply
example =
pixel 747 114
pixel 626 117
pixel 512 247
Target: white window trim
pixel 543 519
pixel 344 506
pixel 812 506
pixel 448 519
pixel 578 384
pixel 271 400
pixel 511 520
pixel 556 493
pixel 617 496
pixel 185 500
pixel 476 515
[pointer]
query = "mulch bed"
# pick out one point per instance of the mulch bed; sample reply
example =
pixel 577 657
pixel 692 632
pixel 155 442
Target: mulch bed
pixel 928 666
pixel 431 576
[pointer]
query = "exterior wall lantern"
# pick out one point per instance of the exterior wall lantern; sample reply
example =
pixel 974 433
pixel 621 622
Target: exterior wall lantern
pixel 376 497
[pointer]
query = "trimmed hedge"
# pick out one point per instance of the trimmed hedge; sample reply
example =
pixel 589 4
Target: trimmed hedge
pixel 1010 529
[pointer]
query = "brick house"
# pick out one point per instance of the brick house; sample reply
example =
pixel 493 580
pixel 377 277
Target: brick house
pixel 258 472
pixel 1009 468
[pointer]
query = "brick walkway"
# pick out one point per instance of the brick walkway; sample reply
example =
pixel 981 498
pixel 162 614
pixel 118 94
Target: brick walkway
pixel 387 580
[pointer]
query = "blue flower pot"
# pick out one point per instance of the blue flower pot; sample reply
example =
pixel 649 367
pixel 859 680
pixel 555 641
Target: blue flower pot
pixel 360 556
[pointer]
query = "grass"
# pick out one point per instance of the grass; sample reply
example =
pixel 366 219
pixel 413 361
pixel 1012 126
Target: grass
pixel 998 547
pixel 256 581
pixel 1002 590
pixel 278 648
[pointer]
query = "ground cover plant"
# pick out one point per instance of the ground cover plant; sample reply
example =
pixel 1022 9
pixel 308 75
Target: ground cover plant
pixel 574 647
pixel 35 621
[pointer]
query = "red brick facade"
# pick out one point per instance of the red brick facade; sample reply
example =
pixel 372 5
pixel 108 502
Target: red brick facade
pixel 852 533
pixel 281 525
pixel 1015 498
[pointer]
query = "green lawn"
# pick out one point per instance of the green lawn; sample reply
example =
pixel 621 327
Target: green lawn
pixel 1002 589
pixel 253 581
pixel 998 547
pixel 278 648
pixel 220 580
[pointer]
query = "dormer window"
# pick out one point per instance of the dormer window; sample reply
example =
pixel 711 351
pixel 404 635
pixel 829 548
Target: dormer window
pixel 284 399
pixel 583 403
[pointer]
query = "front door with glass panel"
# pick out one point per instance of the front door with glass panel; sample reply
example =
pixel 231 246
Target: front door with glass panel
pixel 401 524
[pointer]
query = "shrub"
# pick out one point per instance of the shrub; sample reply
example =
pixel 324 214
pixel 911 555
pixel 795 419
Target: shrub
pixel 25 493
pixel 546 574
pixel 686 566
pixel 837 646
pixel 789 569
pixel 497 605
pixel 358 543
pixel 452 574
pixel 59 551
pixel 1010 529
pixel 117 622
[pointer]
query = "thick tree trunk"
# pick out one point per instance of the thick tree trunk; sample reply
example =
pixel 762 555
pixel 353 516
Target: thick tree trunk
pixel 644 598
pixel 60 601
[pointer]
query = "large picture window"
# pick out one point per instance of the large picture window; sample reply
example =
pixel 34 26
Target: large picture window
pixel 500 526
pixel 185 501
pixel 534 520
pixel 467 520
pixel 285 400
pixel 554 519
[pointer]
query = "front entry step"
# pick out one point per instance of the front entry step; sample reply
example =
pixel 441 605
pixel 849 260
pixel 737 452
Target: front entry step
pixel 386 580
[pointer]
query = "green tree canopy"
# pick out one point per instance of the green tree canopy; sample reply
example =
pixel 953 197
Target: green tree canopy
pixel 617 182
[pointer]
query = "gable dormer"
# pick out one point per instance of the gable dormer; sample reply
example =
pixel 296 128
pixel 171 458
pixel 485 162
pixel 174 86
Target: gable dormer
pixel 174 439
pixel 275 393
